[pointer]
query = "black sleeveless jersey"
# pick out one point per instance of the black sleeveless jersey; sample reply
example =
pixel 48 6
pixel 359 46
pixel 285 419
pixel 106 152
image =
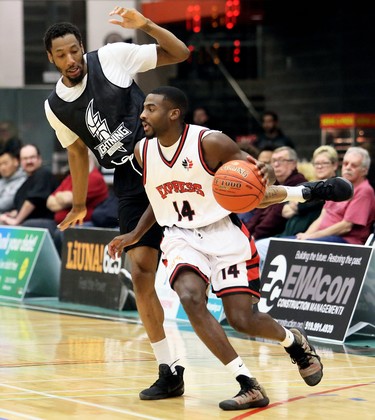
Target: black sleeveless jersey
pixel 106 118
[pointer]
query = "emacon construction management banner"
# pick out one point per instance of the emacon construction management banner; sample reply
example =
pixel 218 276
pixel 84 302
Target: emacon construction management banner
pixel 314 285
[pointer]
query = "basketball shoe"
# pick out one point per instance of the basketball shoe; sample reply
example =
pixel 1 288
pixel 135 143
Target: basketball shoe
pixel 332 189
pixel 167 386
pixel 251 395
pixel 303 353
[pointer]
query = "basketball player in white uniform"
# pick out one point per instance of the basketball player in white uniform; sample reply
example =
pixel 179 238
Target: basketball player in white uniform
pixel 206 246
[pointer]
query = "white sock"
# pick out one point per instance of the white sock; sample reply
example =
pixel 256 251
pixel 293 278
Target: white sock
pixel 289 339
pixel 163 354
pixel 294 193
pixel 237 367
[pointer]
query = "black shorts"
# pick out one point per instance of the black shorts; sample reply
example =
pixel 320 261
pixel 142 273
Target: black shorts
pixel 130 211
pixel 133 201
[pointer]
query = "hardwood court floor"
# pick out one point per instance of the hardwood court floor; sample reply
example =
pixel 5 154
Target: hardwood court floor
pixel 58 366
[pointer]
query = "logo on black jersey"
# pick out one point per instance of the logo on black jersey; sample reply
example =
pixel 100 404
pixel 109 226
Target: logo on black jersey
pixel 187 163
pixel 98 127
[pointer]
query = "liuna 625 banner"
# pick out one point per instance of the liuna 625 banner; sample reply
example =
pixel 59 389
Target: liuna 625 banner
pixel 88 275
pixel 313 284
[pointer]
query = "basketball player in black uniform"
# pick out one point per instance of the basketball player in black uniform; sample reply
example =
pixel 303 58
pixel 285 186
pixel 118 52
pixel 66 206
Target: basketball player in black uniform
pixel 96 104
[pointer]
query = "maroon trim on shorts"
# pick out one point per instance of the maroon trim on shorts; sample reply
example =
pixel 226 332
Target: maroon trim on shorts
pixel 191 267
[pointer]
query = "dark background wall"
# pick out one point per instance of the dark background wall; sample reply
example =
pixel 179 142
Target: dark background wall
pixel 311 58
pixel 319 58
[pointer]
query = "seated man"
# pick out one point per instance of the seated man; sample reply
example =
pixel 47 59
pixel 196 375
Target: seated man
pixel 12 177
pixel 30 199
pixel 272 135
pixel 265 154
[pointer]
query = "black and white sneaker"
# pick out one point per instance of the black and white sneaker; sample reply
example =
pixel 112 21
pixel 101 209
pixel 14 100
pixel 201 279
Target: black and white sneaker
pixel 167 386
pixel 332 189
pixel 251 395
pixel 304 355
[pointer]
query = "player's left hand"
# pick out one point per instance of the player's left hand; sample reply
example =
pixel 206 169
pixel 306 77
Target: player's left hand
pixel 131 18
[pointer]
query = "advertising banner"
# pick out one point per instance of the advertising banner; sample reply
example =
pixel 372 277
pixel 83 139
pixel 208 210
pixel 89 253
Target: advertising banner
pixel 315 285
pixel 363 321
pixel 89 276
pixel 29 263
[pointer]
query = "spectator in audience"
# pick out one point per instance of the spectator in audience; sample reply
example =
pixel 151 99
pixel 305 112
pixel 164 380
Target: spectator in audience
pixel 371 175
pixel 30 199
pixel 301 215
pixel 105 215
pixel 265 154
pixel 9 137
pixel 272 134
pixel 269 221
pixel 201 116
pixel 12 177
pixel 60 201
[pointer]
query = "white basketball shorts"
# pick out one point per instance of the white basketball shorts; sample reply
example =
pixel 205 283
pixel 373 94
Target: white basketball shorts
pixel 222 253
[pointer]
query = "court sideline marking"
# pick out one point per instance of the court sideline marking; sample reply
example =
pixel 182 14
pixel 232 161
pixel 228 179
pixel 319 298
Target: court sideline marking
pixel 25 416
pixel 289 400
pixel 108 408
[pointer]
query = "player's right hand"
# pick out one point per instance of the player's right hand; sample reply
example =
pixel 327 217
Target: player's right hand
pixel 118 243
pixel 73 218
pixel 131 18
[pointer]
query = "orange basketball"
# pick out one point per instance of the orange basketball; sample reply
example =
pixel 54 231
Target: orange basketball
pixel 238 187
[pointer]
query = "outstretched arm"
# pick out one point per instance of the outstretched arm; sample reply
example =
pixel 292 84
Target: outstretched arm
pixel 274 194
pixel 170 50
pixel 118 243
pixel 79 169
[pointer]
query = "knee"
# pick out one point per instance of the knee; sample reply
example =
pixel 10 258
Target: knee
pixel 143 280
pixel 191 302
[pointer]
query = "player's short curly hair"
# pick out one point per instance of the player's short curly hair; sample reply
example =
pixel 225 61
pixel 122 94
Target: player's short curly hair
pixel 175 96
pixel 58 30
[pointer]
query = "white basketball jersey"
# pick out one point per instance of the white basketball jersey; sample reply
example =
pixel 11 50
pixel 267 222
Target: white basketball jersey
pixel 180 189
